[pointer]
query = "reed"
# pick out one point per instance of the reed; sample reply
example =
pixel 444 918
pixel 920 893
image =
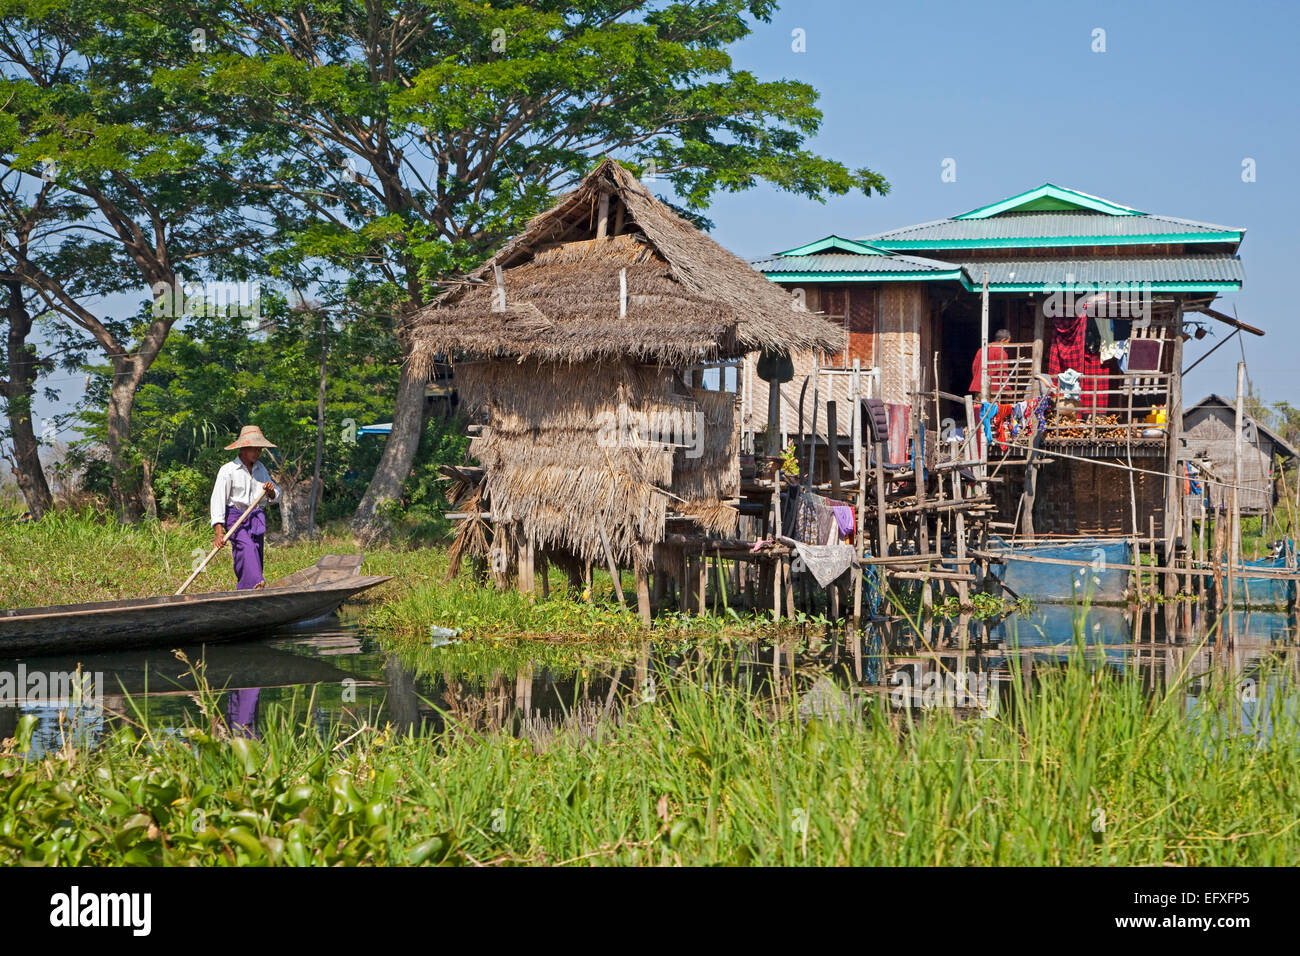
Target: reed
pixel 1085 767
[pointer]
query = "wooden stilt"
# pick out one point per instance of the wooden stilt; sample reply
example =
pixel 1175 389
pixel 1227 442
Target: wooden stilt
pixel 643 593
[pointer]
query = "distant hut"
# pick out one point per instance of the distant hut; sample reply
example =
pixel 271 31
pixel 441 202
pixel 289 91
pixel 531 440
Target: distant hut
pixel 581 347
pixel 1209 433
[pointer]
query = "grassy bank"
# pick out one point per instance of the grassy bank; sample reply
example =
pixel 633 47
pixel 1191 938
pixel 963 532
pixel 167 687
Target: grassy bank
pixel 70 558
pixel 1088 770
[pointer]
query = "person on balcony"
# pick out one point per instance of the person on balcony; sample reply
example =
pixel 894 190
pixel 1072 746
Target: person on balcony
pixel 999 367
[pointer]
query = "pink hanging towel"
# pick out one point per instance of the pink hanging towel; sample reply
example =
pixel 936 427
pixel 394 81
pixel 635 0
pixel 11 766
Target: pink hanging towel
pixel 899 419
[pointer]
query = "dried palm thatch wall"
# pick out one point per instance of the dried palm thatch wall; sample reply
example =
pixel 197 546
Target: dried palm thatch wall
pixel 566 454
pixel 707 473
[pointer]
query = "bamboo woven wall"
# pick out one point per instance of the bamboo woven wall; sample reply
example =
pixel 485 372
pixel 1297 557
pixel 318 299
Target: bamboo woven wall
pixel 566 454
pixel 1210 430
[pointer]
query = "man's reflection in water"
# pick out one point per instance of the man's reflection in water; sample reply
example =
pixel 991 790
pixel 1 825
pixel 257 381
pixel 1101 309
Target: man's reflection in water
pixel 241 711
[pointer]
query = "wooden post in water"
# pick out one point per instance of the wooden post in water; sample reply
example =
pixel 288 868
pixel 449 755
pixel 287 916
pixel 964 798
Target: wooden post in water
pixel 1216 558
pixel 1151 550
pixel 918 481
pixel 642 593
pixel 859 468
pixel 1234 543
pixel 1173 435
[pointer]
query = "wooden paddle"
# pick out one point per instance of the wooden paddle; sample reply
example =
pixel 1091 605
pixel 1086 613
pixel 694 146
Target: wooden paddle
pixel 224 538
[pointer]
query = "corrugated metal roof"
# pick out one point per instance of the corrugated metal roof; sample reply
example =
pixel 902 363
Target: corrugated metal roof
pixel 1099 272
pixel 848 262
pixel 1213 399
pixel 1035 227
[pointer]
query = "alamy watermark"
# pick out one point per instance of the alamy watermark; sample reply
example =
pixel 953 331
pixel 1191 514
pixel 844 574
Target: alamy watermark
pixel 215 299
pixel 1127 300
pixel 949 689
pixel 626 428
pixel 22 686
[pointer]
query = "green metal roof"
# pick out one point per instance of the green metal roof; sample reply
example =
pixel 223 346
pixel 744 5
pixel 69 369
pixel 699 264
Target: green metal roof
pixel 835 242
pixel 1051 216
pixel 1195 273
pixel 1039 229
pixel 1050 197
pixel 850 267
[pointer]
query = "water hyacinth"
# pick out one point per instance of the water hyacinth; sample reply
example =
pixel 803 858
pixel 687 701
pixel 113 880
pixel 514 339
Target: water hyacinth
pixel 1084 766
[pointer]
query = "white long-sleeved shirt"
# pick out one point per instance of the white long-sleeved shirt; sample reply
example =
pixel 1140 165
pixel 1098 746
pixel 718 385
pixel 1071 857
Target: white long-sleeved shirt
pixel 236 487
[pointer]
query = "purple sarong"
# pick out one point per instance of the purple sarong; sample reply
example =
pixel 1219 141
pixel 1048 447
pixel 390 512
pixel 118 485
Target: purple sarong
pixel 241 709
pixel 845 518
pixel 246 547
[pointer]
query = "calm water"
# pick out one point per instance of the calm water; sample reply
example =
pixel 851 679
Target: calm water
pixel 344 674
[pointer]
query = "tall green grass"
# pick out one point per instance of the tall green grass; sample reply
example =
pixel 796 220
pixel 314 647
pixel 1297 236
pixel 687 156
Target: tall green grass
pixel 1084 768
pixel 72 557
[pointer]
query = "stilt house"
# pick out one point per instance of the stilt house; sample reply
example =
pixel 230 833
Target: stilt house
pixel 583 348
pixel 909 306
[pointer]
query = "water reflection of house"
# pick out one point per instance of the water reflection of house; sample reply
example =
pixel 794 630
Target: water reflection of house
pixel 908 302
pixel 1209 433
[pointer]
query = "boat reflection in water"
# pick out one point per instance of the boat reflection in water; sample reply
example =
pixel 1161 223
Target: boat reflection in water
pixel 347 677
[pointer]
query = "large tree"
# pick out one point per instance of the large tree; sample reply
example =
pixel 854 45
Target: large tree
pixel 139 175
pixel 415 136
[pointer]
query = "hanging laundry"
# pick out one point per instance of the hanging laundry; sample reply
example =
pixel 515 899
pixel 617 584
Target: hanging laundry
pixel 1121 354
pixel 988 412
pixel 1020 421
pixel 1069 352
pixel 899 423
pixel 1068 382
pixel 814 521
pixel 828 531
pixel 1040 412
pixel 1109 347
pixel 1002 424
pixel 846 519
pixel 1067 344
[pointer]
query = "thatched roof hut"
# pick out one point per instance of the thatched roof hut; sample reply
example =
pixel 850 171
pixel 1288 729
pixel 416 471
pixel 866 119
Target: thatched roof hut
pixel 571 343
pixel 687 299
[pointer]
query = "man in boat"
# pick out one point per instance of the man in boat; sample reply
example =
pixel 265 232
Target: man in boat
pixel 238 484
pixel 998 366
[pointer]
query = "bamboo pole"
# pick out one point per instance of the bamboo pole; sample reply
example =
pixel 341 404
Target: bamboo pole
pixel 984 339
pixel 1234 543
pixel 859 470
pixel 613 568
pixel 224 538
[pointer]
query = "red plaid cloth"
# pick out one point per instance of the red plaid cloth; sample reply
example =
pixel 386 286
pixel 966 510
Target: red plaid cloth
pixel 1067 344
pixel 1068 352
pixel 1090 400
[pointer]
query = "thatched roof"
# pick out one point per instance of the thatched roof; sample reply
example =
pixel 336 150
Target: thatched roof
pixel 688 299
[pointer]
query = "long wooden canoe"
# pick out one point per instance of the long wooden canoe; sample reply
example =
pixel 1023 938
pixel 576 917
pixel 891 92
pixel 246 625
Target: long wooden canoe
pixel 219 616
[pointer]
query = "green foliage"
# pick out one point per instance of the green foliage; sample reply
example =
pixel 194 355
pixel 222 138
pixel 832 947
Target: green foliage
pixel 183 492
pixel 214 375
pixel 697 767
pixel 790 460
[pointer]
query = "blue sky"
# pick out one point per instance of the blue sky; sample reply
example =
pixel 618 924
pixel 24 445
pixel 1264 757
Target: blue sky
pixel 1013 93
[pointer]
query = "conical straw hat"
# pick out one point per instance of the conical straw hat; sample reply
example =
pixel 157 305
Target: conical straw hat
pixel 250 436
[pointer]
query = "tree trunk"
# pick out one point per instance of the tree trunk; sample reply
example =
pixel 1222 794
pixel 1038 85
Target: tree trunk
pixel 121 401
pixel 19 388
pixel 399 452
pixel 295 507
